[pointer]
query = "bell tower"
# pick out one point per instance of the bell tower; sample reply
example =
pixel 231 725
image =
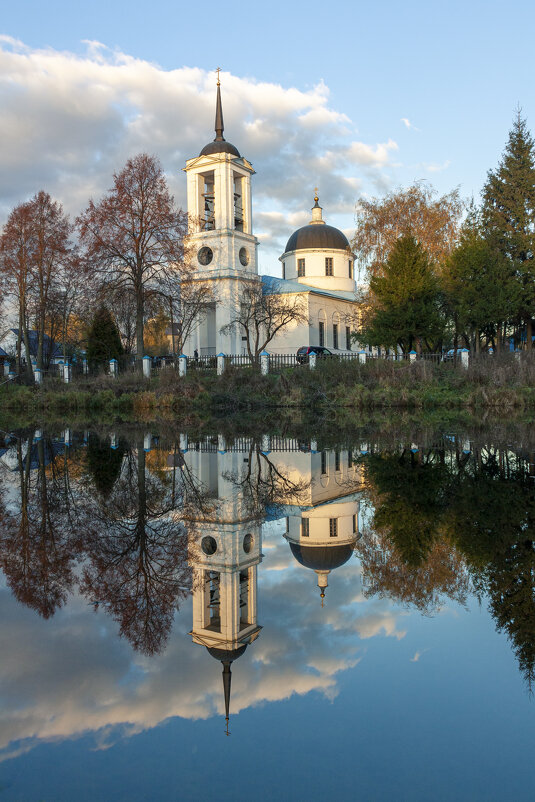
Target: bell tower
pixel 220 228
pixel 225 548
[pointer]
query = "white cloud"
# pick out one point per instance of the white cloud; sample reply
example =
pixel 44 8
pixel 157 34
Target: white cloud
pixel 407 123
pixel 69 121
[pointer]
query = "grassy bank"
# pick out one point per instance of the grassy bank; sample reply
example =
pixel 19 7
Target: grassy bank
pixel 499 383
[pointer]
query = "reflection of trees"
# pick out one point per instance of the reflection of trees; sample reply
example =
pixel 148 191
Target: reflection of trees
pixel 104 463
pixel 436 518
pixel 37 554
pixel 264 484
pixel 136 550
pixel 441 574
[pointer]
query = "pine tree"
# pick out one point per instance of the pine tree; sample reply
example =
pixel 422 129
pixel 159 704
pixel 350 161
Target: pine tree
pixel 407 300
pixel 509 214
pixel 103 340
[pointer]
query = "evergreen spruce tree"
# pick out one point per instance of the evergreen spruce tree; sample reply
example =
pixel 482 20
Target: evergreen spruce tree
pixel 103 340
pixel 407 309
pixel 480 288
pixel 509 215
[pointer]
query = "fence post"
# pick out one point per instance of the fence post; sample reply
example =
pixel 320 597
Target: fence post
pixel 412 356
pixel 147 366
pixel 264 363
pixel 312 361
pixel 67 437
pixel 221 444
pixel 6 368
pixel 465 357
pixel 362 357
pixel 113 368
pixel 85 367
pixel 182 365
pixel 38 375
pixel 220 364
pixel 67 372
pixel 266 444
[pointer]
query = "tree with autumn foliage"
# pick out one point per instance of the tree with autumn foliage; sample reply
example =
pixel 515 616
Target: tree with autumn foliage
pixel 134 237
pixel 434 221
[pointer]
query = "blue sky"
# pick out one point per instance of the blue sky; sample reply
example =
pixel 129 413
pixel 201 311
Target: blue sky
pixel 393 92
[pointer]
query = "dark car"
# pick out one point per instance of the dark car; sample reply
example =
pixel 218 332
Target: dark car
pixel 304 352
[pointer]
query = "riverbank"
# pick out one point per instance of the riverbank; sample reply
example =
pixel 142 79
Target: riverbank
pixel 500 383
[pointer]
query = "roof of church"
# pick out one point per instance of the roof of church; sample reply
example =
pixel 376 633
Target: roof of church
pixel 314 236
pixel 219 145
pixel 227 655
pixel 321 558
pixel 272 284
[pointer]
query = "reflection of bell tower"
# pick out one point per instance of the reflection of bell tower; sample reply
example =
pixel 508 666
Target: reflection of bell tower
pixel 322 536
pixel 224 551
pixel 220 233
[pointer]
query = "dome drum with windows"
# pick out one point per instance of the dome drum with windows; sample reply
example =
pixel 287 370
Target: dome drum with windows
pixel 319 255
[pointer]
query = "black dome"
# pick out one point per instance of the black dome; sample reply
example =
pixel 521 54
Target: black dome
pixel 227 655
pixel 321 558
pixel 317 236
pixel 219 146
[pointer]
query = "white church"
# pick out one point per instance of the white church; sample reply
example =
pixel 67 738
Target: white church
pixel 317 263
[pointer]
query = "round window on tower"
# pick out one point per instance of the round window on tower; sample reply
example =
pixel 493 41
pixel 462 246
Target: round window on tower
pixel 248 543
pixel 205 256
pixel 209 545
pixel 244 256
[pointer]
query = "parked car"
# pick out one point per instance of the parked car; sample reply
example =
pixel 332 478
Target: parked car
pixel 451 353
pixel 304 352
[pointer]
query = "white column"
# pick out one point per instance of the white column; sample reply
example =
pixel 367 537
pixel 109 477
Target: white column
pixel 38 375
pixel 85 367
pixel 465 357
pixel 147 366
pixel 147 442
pixel 183 443
pixel 362 356
pixel 266 444
pixel 264 363
pixel 312 360
pixel 412 356
pixel 113 368
pixel 220 364
pixel 182 365
pixel 6 368
pixel 113 440
pixel 67 372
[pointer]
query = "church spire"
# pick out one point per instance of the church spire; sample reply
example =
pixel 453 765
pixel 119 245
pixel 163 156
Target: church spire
pixel 219 126
pixel 227 676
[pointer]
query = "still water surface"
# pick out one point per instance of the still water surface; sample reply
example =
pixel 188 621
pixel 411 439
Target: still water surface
pixel 358 617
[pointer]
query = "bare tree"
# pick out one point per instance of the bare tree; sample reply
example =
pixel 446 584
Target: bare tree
pixel 134 236
pixel 262 315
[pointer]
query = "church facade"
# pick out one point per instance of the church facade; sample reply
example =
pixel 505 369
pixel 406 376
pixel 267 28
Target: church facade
pixel 317 264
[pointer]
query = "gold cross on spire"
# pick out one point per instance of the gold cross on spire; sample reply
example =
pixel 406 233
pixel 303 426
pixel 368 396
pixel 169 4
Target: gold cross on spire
pixel 218 70
pixel 316 194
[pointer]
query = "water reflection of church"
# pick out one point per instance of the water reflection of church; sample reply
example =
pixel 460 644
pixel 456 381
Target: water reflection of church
pixel 315 492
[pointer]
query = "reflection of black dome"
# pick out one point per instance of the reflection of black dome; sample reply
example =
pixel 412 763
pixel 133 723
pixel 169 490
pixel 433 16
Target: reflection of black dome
pixel 227 655
pixel 317 236
pixel 219 146
pixel 321 558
